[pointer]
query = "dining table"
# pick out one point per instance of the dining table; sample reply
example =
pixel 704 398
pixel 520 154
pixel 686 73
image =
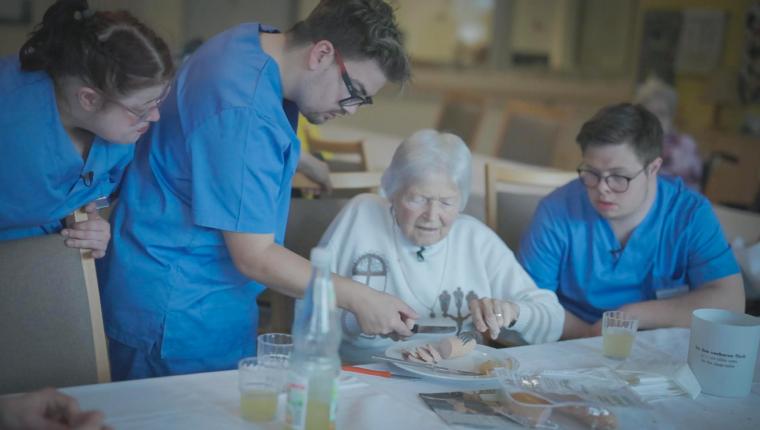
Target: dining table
pixel 380 147
pixel 367 402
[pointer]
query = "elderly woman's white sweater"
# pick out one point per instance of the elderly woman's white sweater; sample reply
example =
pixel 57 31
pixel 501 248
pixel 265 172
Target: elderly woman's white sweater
pixel 470 262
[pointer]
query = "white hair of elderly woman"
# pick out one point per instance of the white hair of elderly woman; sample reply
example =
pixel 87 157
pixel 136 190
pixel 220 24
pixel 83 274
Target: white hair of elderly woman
pixel 424 153
pixel 655 88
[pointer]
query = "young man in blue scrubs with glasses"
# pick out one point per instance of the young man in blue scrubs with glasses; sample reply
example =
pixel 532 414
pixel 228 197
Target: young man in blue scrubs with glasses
pixel 198 232
pixel 622 237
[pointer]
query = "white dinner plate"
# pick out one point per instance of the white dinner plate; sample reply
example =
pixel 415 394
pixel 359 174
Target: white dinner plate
pixel 470 362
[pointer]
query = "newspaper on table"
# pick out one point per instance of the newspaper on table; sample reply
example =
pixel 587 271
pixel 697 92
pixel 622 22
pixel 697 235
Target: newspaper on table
pixel 479 409
pixel 550 399
pixel 567 399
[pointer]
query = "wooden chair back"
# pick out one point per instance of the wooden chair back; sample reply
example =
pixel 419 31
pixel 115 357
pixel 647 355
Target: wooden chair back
pixel 462 114
pixel 308 219
pixel 530 132
pixel 51 325
pixel 350 155
pixel 738 223
pixel 342 181
pixel 512 195
pixel 737 183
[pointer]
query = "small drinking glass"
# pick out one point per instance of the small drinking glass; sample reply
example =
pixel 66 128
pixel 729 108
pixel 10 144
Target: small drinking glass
pixel 260 385
pixel 618 333
pixel 274 347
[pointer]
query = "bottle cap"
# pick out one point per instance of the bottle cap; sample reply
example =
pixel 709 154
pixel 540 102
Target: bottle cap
pixel 321 257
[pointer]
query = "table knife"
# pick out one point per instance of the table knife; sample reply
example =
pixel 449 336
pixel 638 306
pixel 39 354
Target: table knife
pixel 439 329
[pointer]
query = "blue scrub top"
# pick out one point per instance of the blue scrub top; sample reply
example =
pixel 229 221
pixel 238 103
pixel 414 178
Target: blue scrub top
pixel 570 249
pixel 220 159
pixel 42 176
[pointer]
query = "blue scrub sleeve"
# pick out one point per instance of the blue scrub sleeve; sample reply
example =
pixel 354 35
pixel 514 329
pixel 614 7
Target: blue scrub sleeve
pixel 541 249
pixel 237 168
pixel 710 256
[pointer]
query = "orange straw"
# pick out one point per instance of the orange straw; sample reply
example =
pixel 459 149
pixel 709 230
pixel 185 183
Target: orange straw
pixel 383 373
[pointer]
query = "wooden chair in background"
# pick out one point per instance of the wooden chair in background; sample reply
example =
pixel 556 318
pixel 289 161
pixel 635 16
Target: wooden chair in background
pixel 349 176
pixel 461 114
pixel 530 132
pixel 738 223
pixel 343 156
pixel 348 156
pixel 342 181
pixel 512 195
pixel 736 182
pixel 51 325
pixel 308 219
pixel 742 224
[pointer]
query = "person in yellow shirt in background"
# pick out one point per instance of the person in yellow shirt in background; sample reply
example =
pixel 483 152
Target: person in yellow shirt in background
pixel 311 166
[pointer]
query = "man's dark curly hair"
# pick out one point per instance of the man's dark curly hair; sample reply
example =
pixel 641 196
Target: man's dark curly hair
pixel 360 30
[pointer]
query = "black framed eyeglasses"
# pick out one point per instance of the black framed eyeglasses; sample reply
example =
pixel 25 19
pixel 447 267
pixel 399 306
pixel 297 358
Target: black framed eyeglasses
pixel 153 104
pixel 616 183
pixel 354 98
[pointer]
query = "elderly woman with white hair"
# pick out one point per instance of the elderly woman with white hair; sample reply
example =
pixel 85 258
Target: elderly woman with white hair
pixel 412 241
pixel 680 155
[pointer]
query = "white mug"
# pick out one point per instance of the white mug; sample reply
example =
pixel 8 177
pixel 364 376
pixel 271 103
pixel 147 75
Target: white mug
pixel 723 350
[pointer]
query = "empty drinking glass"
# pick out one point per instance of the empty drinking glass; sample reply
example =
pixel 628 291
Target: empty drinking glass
pixel 275 347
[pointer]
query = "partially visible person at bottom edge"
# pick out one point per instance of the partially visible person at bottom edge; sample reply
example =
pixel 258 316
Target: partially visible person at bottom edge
pixel 414 242
pixel 622 237
pixel 47 409
pixel 82 89
pixel 202 213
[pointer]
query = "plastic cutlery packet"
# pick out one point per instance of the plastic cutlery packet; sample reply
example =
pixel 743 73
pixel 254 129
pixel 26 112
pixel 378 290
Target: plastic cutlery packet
pixel 566 399
pixel 662 383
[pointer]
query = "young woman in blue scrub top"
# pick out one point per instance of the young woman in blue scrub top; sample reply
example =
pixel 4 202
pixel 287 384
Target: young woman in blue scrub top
pixel 82 90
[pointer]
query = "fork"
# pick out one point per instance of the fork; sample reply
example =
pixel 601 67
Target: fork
pixel 466 336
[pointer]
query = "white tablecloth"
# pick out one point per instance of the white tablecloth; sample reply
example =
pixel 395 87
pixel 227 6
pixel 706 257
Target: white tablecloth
pixel 210 400
pixel 380 148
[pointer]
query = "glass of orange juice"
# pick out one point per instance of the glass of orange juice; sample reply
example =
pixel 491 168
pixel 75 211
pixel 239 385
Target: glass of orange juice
pixel 260 385
pixel 618 333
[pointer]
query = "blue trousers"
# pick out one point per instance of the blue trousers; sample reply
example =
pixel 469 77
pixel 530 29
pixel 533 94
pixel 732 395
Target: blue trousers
pixel 132 363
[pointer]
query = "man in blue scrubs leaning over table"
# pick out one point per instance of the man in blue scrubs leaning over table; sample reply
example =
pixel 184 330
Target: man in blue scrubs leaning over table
pixel 197 234
pixel 623 237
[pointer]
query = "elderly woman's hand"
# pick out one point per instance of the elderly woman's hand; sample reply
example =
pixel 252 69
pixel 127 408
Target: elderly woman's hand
pixel 383 314
pixel 493 314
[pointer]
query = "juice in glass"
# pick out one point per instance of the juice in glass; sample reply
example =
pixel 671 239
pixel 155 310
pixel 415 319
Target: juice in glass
pixel 318 415
pixel 259 385
pixel 617 342
pixel 618 333
pixel 258 405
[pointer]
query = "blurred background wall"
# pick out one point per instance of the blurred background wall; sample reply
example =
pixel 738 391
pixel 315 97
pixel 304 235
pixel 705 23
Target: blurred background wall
pixel 576 54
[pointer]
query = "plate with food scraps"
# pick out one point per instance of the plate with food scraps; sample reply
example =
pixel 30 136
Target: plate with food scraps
pixel 481 360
